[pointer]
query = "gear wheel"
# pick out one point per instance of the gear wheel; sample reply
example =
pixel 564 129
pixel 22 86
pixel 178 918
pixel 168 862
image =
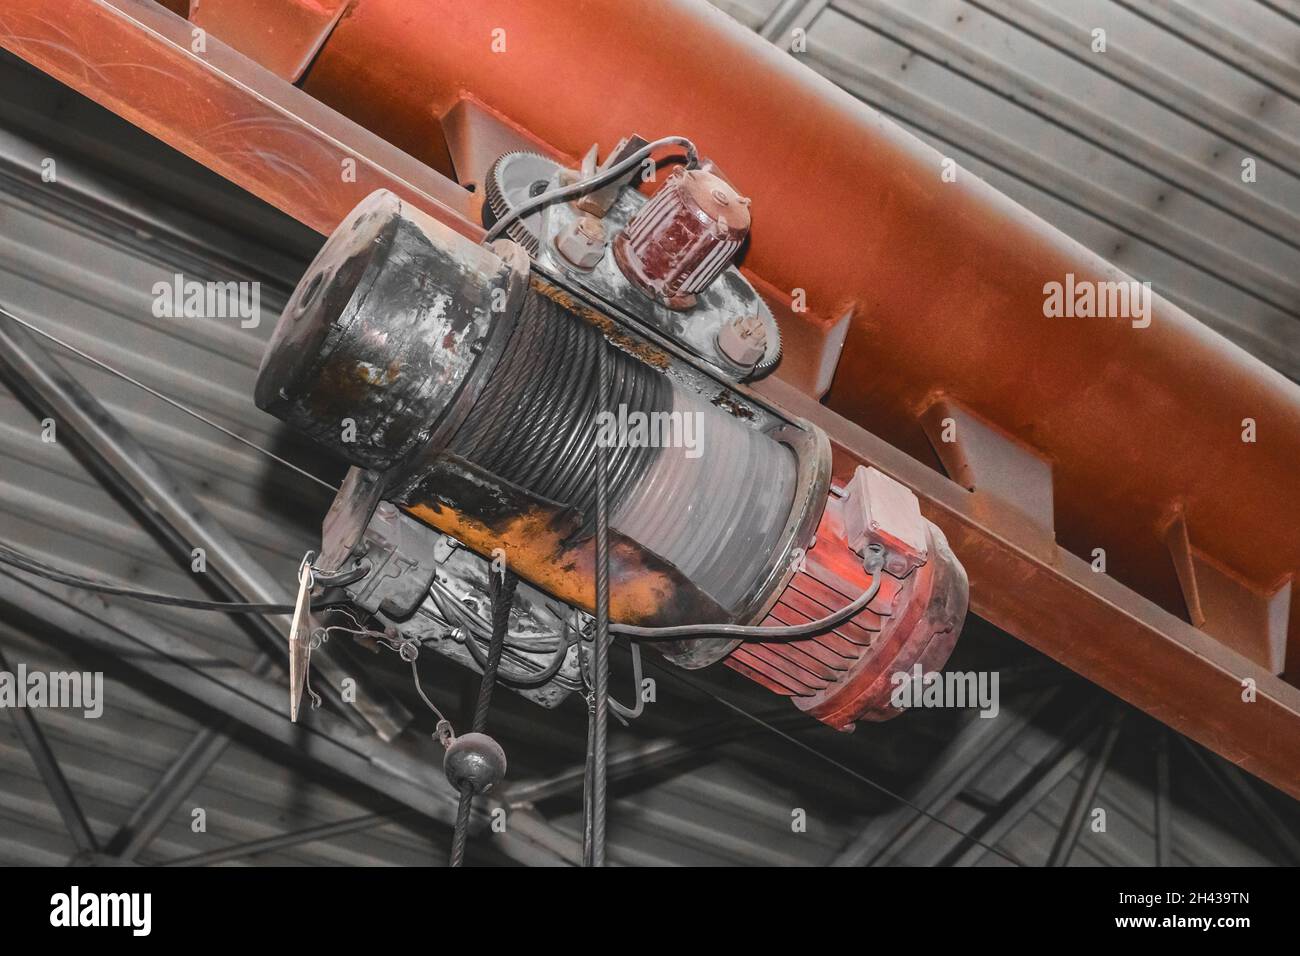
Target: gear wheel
pixel 515 178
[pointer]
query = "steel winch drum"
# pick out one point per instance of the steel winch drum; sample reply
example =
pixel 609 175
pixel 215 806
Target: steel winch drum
pixel 471 383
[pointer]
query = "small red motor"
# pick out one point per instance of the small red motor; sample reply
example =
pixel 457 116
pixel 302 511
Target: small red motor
pixel 847 674
pixel 684 237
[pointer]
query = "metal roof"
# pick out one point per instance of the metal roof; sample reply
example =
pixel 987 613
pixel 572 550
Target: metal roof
pixel 1117 149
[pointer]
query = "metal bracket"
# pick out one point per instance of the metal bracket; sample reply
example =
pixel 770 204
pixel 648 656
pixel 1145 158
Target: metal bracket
pixel 1223 605
pixel 1008 480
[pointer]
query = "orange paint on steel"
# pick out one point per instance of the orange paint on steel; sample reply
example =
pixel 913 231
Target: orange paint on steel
pixel 223 110
pixel 946 279
pixel 533 548
pixel 282 36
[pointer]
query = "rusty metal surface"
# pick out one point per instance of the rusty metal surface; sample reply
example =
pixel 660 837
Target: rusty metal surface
pixel 540 541
pixel 381 344
pixel 699 328
pixel 393 318
pixel 223 110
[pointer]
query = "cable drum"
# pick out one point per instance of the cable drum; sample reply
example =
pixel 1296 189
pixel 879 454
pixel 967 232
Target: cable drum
pixel 536 423
pixel 714 510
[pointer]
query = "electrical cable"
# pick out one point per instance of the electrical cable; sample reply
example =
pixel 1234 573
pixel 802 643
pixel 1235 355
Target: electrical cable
pixel 873 563
pixel 503 591
pixel 419 689
pixel 164 398
pixel 594 182
pixel 472 624
pixel 622 710
pixel 449 605
pixel 535 679
pixel 14 558
pixel 635 711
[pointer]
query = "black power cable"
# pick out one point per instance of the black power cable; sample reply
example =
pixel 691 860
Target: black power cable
pixel 593 183
pixel 14 558
pixel 872 563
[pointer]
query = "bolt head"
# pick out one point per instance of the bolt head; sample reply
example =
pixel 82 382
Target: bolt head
pixel 743 340
pixel 582 242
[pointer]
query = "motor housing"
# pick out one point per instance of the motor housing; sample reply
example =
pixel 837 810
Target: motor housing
pixel 684 237
pixel 850 672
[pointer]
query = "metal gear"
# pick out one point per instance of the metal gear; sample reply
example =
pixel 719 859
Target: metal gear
pixel 515 178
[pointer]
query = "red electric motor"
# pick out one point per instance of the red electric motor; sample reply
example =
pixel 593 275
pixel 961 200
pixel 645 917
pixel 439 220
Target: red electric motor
pixel 850 673
pixel 684 237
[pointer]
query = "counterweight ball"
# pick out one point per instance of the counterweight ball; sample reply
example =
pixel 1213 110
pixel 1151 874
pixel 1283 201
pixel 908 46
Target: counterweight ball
pixel 476 761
